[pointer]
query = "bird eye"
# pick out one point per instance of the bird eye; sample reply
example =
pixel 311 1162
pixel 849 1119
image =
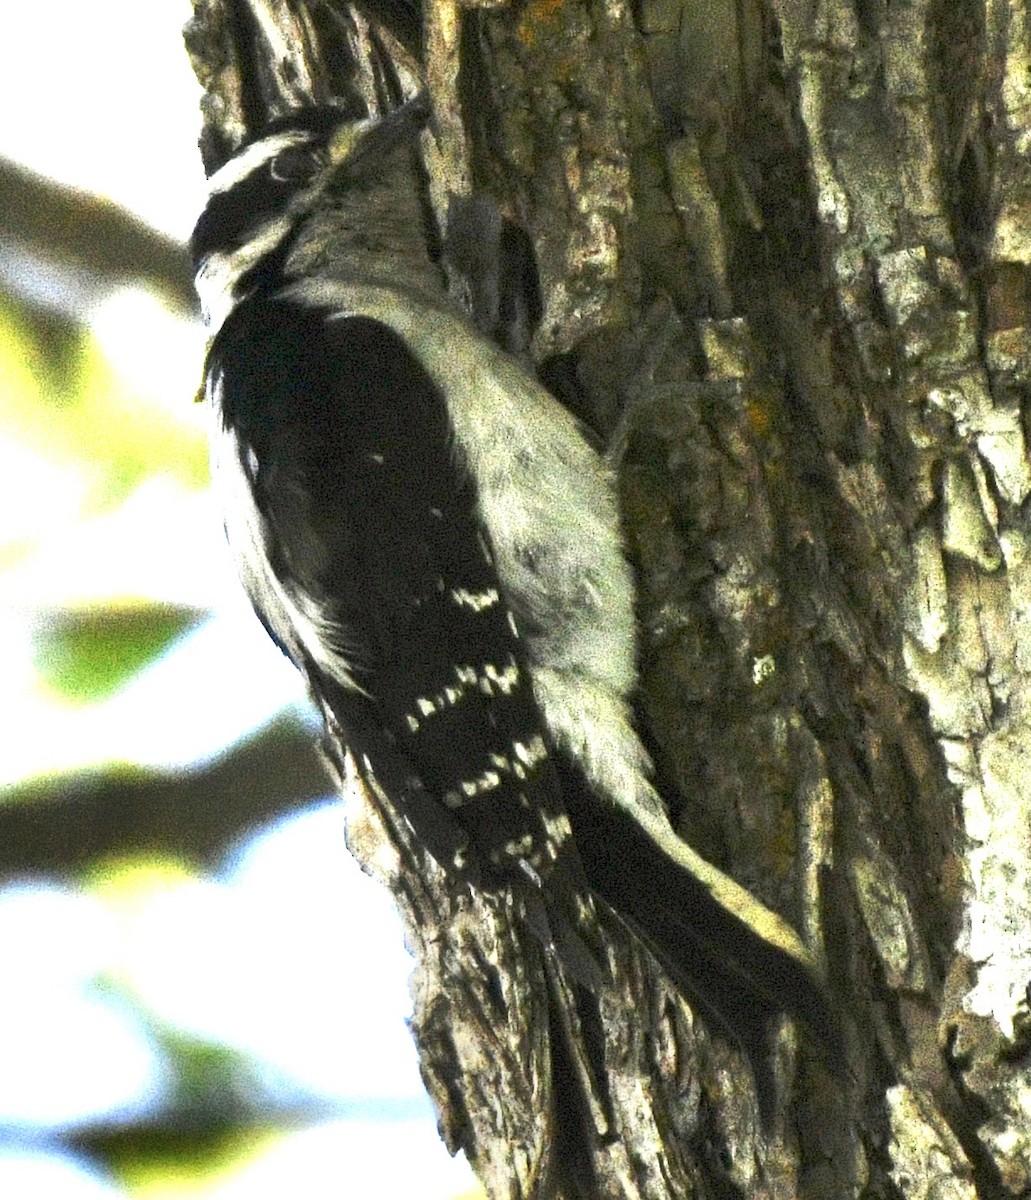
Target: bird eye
pixel 296 164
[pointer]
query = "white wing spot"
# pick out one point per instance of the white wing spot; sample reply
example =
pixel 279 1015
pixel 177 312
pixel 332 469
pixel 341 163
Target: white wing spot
pixel 532 754
pixel 486 782
pixel 518 848
pixel 477 601
pixel 447 698
pixel 504 681
pixel 558 827
pixel 378 459
pixel 468 788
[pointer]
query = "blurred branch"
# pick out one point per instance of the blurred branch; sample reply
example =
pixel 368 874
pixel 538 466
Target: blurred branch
pixel 76 233
pixel 69 823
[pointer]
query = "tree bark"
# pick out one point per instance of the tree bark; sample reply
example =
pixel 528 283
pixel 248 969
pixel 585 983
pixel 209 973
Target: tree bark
pixel 785 262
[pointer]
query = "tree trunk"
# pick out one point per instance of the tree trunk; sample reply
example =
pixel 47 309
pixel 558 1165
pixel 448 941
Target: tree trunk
pixel 784 255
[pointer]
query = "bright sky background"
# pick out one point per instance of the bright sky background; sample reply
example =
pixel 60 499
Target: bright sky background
pixel 291 951
pixel 73 73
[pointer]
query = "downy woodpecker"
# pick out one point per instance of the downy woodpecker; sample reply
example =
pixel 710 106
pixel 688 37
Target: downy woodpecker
pixel 428 535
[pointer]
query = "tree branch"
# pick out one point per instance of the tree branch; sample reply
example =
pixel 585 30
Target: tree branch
pixel 78 233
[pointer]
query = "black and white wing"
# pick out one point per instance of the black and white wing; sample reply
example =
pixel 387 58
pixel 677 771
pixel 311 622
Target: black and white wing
pixel 356 532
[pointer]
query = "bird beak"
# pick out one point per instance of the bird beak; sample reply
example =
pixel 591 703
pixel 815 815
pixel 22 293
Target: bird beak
pixel 360 147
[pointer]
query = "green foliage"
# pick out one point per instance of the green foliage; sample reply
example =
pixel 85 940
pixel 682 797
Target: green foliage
pixel 61 397
pixel 86 655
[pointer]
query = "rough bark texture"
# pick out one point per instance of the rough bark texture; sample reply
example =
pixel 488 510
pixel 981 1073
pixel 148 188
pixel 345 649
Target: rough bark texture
pixel 785 256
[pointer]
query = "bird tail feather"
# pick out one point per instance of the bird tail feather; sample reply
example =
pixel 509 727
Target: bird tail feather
pixel 737 962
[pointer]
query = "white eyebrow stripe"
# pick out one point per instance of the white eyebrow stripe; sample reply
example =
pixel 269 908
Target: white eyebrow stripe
pixel 243 164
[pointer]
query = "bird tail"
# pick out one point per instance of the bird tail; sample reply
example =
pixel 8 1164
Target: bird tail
pixel 738 963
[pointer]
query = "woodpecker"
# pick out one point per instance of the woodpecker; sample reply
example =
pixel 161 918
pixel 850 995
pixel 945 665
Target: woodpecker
pixel 430 537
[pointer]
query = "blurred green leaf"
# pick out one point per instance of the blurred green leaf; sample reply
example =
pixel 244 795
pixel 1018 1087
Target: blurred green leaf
pixel 47 341
pixel 160 1164
pixel 220 1108
pixel 87 655
pixel 61 397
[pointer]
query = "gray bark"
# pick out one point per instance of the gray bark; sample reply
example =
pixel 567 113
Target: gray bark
pixel 784 252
